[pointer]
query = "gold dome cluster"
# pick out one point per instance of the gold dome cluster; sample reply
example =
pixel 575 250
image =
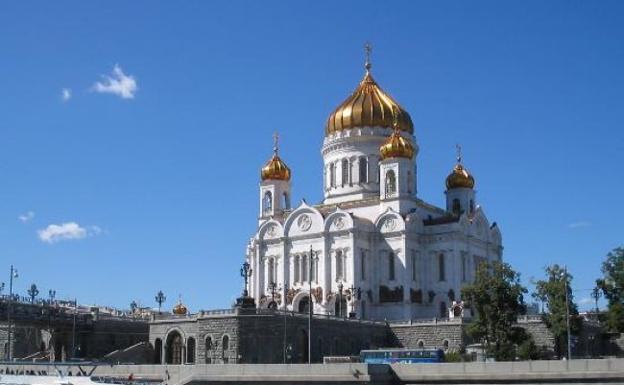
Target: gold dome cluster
pixel 368 106
pixel 459 177
pixel 275 168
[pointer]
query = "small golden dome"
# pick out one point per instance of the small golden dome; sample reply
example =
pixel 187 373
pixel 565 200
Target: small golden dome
pixel 368 106
pixel 275 169
pixel 459 177
pixel 179 308
pixel 396 146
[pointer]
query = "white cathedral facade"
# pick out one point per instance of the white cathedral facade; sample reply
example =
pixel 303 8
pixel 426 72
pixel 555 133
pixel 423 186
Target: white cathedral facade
pixel 372 249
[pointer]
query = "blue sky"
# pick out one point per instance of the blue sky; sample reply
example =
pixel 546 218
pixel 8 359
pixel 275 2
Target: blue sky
pixel 160 173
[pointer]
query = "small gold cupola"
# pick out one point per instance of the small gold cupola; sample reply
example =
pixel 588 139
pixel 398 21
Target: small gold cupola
pixel 368 106
pixel 180 308
pixel 275 169
pixel 396 146
pixel 459 177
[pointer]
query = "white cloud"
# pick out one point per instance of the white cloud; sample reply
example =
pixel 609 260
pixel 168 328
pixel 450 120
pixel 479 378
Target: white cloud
pixel 66 231
pixel 586 301
pixel 118 83
pixel 66 94
pixel 576 225
pixel 26 217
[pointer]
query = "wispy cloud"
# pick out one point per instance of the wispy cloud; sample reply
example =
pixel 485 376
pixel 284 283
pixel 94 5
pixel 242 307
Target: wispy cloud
pixel 26 217
pixel 66 231
pixel 118 83
pixel 586 301
pixel 579 224
pixel 66 94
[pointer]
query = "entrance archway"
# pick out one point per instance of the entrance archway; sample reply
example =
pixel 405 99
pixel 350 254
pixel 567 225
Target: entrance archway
pixel 158 351
pixel 174 348
pixel 304 305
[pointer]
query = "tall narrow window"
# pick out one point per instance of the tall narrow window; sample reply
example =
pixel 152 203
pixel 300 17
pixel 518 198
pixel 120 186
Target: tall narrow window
pixel 345 172
pixel 456 207
pixel 304 268
pixel 296 268
pixel 390 183
pixel 410 182
pixel 471 205
pixel 391 266
pixel 286 201
pixel 339 265
pixel 267 202
pixel 363 165
pixel 441 268
pixel 363 265
pixel 463 262
pixel 271 268
pixel 414 266
pixel 332 175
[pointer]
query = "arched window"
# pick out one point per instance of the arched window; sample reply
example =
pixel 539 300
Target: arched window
pixel 390 183
pixel 190 350
pixel 443 310
pixel 332 175
pixel 363 165
pixel 410 182
pixel 363 265
pixel 286 201
pixel 296 269
pixel 414 266
pixel 339 265
pixel 441 268
pixel 471 205
pixel 421 344
pixel 225 343
pixel 391 266
pixel 456 207
pixel 345 172
pixel 208 350
pixel 267 202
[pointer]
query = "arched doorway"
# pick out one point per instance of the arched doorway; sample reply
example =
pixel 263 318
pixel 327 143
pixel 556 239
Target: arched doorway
pixel 304 305
pixel 158 351
pixel 190 350
pixel 174 348
pixel 340 307
pixel 303 346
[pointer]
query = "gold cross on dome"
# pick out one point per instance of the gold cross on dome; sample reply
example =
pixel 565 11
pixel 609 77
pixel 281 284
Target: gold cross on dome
pixel 275 142
pixel 459 152
pixel 368 48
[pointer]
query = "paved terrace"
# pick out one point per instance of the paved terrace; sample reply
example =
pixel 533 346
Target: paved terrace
pixel 604 371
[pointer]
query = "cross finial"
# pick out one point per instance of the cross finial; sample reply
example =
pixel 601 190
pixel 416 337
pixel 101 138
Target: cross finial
pixel 275 142
pixel 368 48
pixel 459 152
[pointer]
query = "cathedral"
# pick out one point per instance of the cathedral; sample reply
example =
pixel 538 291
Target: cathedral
pixel 371 249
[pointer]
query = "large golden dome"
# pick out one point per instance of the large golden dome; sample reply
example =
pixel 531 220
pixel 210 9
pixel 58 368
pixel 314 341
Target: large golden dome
pixel 459 178
pixel 275 168
pixel 368 106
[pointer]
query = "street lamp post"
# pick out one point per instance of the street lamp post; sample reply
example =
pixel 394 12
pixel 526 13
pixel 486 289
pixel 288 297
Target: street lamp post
pixel 356 292
pixel 245 272
pixel 9 309
pixel 33 292
pixel 51 295
pixel 285 310
pixel 160 299
pixel 311 307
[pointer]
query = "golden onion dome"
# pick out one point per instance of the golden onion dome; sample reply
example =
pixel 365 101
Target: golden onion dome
pixel 396 146
pixel 459 177
pixel 368 106
pixel 179 308
pixel 275 169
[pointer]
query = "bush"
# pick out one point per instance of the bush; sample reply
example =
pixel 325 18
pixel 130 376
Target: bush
pixel 453 357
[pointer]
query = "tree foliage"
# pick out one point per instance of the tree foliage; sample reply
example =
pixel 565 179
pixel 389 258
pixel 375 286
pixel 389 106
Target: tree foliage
pixel 612 286
pixel 552 291
pixel 497 298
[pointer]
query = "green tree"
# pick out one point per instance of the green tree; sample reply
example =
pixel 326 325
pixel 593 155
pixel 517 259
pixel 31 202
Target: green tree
pixel 497 298
pixel 553 290
pixel 612 286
